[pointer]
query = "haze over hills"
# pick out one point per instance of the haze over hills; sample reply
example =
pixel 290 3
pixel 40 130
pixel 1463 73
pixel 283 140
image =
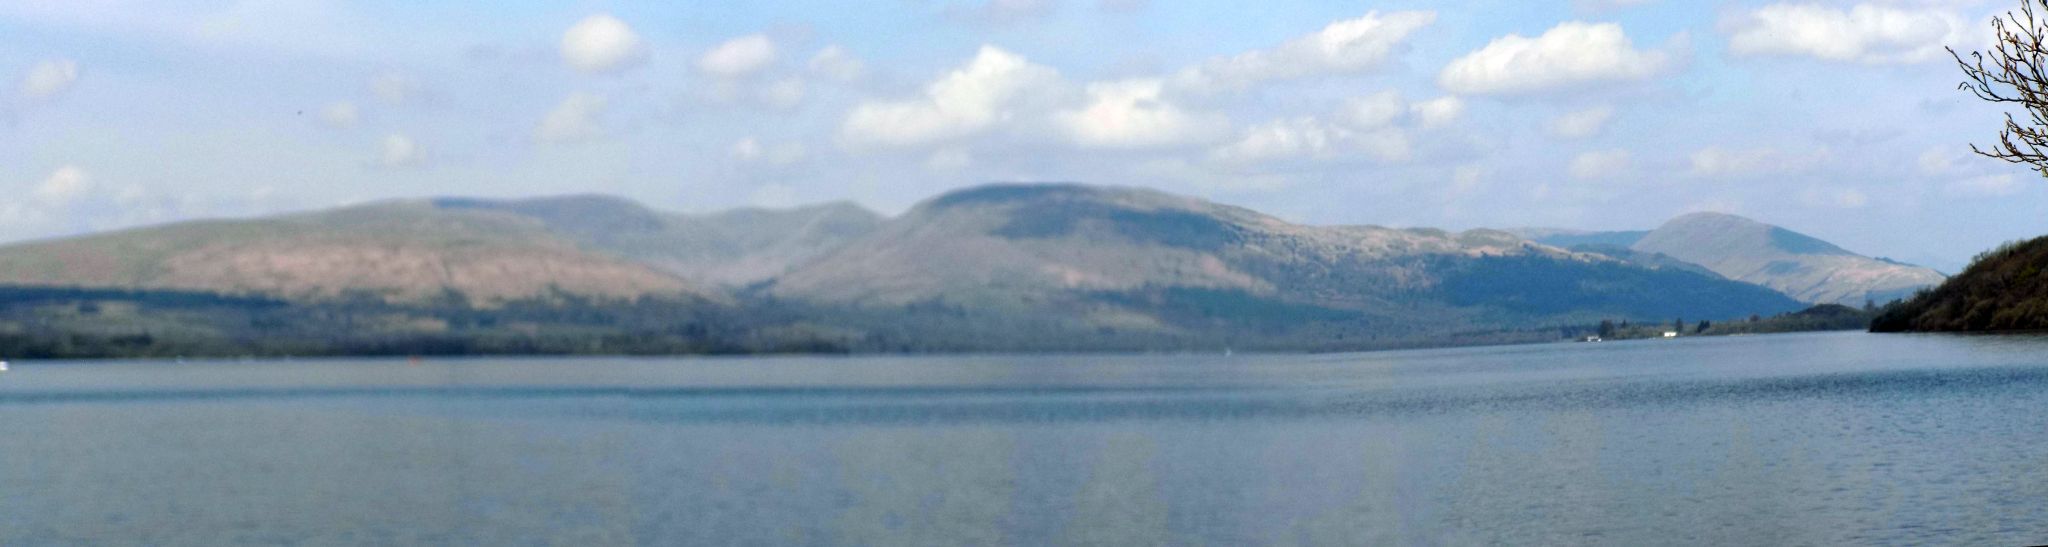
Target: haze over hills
pixel 1741 249
pixel 1011 266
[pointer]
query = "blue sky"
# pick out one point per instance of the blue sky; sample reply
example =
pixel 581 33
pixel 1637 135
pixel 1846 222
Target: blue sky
pixel 1839 119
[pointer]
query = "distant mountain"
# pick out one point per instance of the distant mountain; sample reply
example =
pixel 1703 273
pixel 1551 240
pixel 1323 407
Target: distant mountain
pixel 2003 290
pixel 731 248
pixel 1741 249
pixel 999 267
pixel 403 250
pixel 1123 258
pixel 1567 238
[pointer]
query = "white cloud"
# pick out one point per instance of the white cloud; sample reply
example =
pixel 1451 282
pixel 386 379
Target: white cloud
pixel 400 151
pixel 64 185
pixel 1714 161
pixel 837 63
pixel 1571 55
pixel 602 44
pixel 1133 114
pixel 752 150
pixel 1312 139
pixel 1582 123
pixel 1865 33
pixel 1438 112
pixel 1344 47
pixel 1937 160
pixel 1373 111
pixel 575 119
pixel 340 115
pixel 742 56
pixel 969 100
pixel 1600 164
pixel 49 78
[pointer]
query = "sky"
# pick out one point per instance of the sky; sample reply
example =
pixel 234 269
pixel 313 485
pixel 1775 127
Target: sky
pixel 1838 119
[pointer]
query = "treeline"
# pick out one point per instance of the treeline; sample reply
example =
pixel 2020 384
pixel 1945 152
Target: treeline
pixel 42 323
pixel 2004 289
pixel 51 323
pixel 1822 317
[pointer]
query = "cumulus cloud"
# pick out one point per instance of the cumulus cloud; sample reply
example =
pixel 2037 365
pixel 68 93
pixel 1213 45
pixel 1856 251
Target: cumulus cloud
pixel 399 150
pixel 601 44
pixel 1307 138
pixel 1580 124
pixel 1570 55
pixel 1373 111
pixel 837 63
pixel 1344 47
pixel 66 184
pixel 340 115
pixel 49 79
pixel 969 100
pixel 575 119
pixel 1133 114
pixel 1865 33
pixel 1438 112
pixel 742 56
pixel 1600 164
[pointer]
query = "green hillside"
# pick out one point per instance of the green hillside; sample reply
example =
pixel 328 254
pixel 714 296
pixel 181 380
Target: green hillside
pixel 2005 289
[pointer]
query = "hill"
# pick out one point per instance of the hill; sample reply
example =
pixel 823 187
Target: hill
pixel 2005 289
pixel 1144 261
pixel 1019 267
pixel 730 248
pixel 400 251
pixel 1741 249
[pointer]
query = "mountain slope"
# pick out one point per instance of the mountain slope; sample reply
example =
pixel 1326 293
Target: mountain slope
pixel 2005 289
pixel 401 251
pixel 1798 265
pixel 1124 258
pixel 732 248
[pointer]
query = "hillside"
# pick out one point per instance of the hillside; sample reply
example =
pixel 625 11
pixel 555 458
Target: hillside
pixel 1000 267
pixel 401 251
pixel 1122 258
pixel 2005 289
pixel 731 248
pixel 1741 249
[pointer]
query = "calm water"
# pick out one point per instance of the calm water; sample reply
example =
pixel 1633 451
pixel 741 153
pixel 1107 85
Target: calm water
pixel 1827 439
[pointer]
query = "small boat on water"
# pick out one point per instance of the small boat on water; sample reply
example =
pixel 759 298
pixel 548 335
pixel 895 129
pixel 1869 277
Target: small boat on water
pixel 3 366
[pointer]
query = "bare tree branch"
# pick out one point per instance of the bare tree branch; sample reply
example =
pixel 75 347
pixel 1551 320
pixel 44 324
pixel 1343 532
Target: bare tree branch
pixel 2014 71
